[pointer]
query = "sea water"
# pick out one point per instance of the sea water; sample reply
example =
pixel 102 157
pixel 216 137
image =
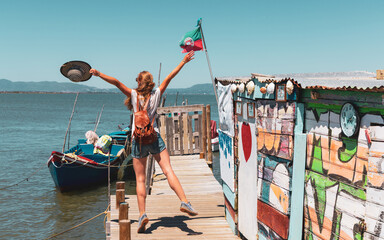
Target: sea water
pixel 34 125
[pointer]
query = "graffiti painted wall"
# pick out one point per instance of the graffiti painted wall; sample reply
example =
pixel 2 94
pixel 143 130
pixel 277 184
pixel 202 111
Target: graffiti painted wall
pixel 275 127
pixel 344 177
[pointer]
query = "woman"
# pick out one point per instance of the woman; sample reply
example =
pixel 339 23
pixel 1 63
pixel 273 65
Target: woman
pixel 158 150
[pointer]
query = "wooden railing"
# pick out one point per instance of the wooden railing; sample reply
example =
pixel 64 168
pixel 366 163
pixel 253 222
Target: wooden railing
pixel 185 129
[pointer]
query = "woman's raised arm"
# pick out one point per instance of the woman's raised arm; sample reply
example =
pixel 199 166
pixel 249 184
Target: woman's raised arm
pixel 175 71
pixel 111 80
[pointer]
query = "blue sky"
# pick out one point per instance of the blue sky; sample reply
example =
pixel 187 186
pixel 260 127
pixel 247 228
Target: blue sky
pixel 122 38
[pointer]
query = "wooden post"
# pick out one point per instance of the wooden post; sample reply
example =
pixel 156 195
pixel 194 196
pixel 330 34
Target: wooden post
pixel 149 174
pixel 125 229
pixel 209 139
pixel 120 185
pixel 181 133
pixel 120 197
pixel 169 126
pixel 184 117
pixel 204 133
pixel 190 135
pixel 163 129
pixel 123 211
pixel 108 229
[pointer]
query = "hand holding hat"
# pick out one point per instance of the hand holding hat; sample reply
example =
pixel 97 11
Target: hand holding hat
pixel 76 71
pixel 94 72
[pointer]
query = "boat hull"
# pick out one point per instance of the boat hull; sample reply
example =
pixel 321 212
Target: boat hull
pixel 215 144
pixel 76 173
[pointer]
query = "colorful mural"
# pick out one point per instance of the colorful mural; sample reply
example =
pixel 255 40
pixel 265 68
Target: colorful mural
pixel 275 125
pixel 342 175
pixel 274 182
pixel 338 136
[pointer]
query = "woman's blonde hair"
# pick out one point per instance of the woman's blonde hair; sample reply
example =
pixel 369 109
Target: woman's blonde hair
pixel 144 88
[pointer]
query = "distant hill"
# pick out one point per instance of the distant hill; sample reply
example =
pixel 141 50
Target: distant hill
pixel 353 74
pixel 51 86
pixel 204 88
pixel 45 86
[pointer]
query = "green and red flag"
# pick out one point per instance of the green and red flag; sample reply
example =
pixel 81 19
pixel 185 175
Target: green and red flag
pixel 192 40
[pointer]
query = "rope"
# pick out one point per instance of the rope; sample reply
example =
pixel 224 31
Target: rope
pixel 109 179
pixel 25 179
pixel 78 225
pixel 69 161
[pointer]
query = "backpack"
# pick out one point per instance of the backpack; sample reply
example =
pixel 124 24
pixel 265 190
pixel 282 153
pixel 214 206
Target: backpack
pixel 144 132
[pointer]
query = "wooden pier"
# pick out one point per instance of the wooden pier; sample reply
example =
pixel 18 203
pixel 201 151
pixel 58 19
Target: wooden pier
pixel 165 219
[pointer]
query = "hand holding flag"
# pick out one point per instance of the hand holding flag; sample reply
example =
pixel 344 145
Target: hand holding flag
pixel 192 40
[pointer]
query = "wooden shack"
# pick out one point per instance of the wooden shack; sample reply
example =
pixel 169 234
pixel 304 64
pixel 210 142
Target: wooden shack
pixel 301 155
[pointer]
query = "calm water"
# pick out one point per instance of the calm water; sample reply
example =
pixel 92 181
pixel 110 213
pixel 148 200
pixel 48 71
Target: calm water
pixel 31 127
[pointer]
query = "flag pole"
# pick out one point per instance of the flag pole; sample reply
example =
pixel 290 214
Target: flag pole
pixel 209 63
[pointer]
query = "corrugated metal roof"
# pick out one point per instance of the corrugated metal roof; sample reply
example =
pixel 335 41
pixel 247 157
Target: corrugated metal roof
pixel 353 81
pixel 342 84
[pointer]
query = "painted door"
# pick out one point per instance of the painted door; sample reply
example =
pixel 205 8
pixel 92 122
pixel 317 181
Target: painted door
pixel 247 176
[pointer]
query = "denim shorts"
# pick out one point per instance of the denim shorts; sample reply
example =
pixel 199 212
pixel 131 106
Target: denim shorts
pixel 153 148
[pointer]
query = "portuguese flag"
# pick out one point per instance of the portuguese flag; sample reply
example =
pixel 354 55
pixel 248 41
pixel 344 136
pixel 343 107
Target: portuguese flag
pixel 192 40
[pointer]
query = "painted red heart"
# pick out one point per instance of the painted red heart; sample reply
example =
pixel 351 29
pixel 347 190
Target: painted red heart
pixel 246 139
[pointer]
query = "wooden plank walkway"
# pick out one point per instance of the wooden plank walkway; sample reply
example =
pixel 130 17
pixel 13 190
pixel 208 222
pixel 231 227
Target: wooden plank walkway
pixel 165 219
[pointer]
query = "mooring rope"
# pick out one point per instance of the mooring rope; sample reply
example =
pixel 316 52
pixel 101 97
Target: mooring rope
pixel 23 180
pixel 78 225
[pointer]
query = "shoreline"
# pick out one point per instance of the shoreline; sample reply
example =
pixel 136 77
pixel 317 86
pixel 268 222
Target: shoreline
pixel 41 92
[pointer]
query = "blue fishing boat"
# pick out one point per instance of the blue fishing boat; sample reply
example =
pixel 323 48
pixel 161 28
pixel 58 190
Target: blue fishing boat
pixel 81 166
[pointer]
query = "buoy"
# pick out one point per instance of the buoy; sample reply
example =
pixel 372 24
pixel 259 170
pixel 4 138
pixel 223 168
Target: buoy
pixel 289 87
pixel 271 88
pixel 241 87
pixel 263 90
pixel 250 87
pixel 233 88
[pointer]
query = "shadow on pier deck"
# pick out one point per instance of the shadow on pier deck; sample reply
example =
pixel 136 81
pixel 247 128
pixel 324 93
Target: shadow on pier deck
pixel 166 220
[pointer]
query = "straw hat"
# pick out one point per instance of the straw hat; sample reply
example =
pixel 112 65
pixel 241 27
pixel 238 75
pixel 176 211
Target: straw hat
pixel 76 71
